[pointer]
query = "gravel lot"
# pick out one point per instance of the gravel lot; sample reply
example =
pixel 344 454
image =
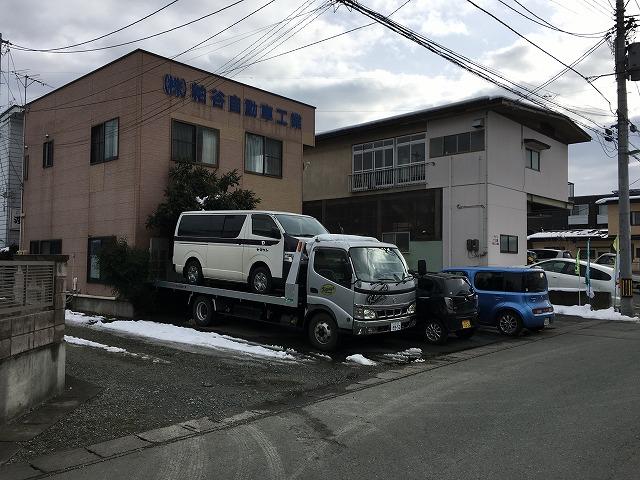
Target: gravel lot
pixel 165 384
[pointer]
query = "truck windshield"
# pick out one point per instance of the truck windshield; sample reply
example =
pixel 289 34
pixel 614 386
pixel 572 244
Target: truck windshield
pixel 377 264
pixel 300 226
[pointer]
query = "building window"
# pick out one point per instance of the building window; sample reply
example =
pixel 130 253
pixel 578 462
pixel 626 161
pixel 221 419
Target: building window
pixel 580 209
pixel 508 244
pixel 532 160
pixel 104 141
pixel 455 144
pixel 418 213
pixel 370 156
pixel 411 149
pixel 45 247
pixel 263 155
pixel 399 239
pixel 194 143
pixel 47 154
pixel 25 168
pixel 96 244
pixel 635 218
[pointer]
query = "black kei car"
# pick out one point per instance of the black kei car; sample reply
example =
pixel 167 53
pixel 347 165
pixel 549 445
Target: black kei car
pixel 446 304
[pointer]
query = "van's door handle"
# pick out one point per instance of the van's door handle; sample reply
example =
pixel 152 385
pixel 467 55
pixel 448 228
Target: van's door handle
pixel 313 290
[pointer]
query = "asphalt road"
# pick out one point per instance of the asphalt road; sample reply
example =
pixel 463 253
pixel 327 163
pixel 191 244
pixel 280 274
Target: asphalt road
pixel 566 406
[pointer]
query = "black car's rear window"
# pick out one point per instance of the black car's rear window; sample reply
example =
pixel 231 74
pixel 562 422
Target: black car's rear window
pixel 456 287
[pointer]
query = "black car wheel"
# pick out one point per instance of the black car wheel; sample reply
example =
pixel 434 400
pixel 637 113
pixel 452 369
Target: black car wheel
pixel 465 333
pixel 435 332
pixel 509 323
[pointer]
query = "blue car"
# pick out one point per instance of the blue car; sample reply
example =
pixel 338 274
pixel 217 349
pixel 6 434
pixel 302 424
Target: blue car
pixel 510 298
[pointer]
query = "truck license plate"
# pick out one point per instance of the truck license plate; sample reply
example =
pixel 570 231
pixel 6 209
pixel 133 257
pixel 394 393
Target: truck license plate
pixel 466 323
pixel 395 326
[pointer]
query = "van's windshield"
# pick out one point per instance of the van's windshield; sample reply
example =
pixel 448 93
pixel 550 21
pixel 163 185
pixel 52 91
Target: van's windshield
pixel 301 226
pixel 377 264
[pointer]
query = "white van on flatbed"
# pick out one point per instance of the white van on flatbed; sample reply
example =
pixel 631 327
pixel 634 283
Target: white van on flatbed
pixel 245 246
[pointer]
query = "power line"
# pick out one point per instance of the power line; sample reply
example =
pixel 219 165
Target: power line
pixel 101 36
pixel 465 63
pixel 24 49
pixel 541 49
pixel 541 21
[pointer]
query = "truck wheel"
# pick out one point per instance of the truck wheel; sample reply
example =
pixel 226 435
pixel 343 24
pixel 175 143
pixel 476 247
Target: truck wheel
pixel 509 323
pixel 203 311
pixel 435 332
pixel 322 331
pixel 193 273
pixel 260 280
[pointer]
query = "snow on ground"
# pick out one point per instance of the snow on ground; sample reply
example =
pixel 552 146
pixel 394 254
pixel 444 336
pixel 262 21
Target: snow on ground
pixel 89 343
pixel 172 334
pixel 360 359
pixel 406 355
pixel 585 311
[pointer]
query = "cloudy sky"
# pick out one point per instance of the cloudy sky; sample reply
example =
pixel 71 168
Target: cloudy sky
pixel 367 74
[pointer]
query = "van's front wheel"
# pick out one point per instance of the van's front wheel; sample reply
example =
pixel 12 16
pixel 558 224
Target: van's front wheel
pixel 260 280
pixel 322 331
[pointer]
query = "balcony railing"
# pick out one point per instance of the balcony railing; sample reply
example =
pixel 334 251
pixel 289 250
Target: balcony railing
pixel 388 177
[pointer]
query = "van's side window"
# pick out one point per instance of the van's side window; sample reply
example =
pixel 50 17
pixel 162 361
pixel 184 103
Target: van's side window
pixel 513 282
pixel 264 226
pixel 333 265
pixel 201 226
pixel 493 281
pixel 232 225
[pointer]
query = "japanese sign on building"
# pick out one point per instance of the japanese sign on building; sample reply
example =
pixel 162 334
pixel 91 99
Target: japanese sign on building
pixel 216 98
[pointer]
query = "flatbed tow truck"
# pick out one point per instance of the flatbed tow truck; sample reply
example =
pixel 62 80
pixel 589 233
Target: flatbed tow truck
pixel 337 284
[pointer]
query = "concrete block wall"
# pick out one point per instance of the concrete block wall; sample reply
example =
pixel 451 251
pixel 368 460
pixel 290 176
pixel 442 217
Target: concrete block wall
pixel 32 353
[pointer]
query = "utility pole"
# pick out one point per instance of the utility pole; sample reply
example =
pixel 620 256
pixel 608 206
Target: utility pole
pixel 26 81
pixel 624 233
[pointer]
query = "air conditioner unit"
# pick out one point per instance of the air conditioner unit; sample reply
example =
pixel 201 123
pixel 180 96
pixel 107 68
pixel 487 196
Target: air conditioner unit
pixel 478 123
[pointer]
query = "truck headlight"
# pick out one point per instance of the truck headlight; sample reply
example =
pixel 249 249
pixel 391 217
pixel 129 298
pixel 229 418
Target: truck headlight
pixel 364 313
pixel 411 309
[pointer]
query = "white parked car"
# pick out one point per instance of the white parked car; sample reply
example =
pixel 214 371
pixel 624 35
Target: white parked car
pixel 544 253
pixel 561 275
pixel 240 246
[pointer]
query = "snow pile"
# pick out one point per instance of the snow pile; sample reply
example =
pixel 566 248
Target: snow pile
pixel 89 343
pixel 172 334
pixel 585 311
pixel 360 359
pixel 405 356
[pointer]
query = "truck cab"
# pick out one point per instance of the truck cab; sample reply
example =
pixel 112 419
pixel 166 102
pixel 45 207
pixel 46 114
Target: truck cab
pixel 356 285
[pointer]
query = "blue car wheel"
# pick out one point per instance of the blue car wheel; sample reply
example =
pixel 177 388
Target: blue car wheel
pixel 509 323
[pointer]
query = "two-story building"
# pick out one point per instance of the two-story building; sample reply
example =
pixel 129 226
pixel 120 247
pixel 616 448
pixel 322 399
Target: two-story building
pixel 611 202
pixel 99 150
pixel 452 184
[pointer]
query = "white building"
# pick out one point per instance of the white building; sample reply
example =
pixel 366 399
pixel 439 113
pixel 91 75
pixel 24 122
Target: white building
pixel 11 159
pixel 451 184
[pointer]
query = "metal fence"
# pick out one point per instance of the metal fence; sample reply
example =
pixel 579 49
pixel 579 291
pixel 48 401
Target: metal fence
pixel 388 177
pixel 26 285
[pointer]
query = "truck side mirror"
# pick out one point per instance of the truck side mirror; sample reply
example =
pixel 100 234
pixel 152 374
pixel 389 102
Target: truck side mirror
pixel 422 267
